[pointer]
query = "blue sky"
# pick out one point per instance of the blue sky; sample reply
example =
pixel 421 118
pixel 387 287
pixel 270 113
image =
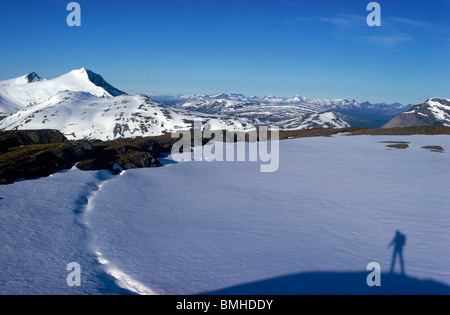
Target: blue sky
pixel 314 48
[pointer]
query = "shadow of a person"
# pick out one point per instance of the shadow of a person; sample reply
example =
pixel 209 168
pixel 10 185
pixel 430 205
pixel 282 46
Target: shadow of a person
pixel 398 242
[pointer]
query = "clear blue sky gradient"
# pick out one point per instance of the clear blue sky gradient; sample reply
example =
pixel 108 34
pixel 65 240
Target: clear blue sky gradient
pixel 314 48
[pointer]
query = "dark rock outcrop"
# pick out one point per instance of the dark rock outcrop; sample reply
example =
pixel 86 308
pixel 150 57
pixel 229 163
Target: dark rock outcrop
pixel 40 153
pixel 119 158
pixel 40 160
pixel 17 138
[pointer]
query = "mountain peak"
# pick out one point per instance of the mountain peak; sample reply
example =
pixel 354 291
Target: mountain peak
pixel 25 79
pixel 438 99
pixel 32 77
pixel 95 79
pixel 220 96
pixel 81 71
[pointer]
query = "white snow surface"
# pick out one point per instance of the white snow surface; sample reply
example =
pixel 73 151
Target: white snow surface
pixel 334 205
pixel 440 110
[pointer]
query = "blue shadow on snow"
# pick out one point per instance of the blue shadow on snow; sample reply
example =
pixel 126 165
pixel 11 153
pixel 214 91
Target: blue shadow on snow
pixel 336 283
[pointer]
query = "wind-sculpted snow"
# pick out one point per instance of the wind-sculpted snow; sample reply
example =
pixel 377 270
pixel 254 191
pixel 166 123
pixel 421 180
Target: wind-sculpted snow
pixel 43 228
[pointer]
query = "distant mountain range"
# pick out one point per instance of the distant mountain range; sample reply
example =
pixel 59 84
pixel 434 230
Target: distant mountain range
pixel 82 105
pixel 271 109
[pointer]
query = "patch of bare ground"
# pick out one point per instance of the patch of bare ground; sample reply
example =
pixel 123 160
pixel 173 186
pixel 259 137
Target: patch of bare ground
pixel 434 148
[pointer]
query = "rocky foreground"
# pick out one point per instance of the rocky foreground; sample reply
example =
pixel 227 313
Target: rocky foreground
pixel 32 154
pixel 29 154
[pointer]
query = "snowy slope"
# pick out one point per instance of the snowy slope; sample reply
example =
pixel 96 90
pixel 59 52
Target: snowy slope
pixel 81 115
pixel 435 111
pixel 25 79
pixel 180 230
pixel 44 232
pixel 198 226
pixel 16 94
pixel 310 121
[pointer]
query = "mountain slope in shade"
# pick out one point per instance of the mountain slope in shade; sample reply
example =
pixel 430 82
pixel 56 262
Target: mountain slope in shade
pixel 435 111
pixel 81 115
pixel 18 93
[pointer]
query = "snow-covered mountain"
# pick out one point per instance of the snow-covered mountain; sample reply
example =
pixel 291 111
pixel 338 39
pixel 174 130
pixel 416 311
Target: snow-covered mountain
pixel 435 111
pixel 238 98
pixel 260 113
pixel 270 109
pixel 29 90
pixel 82 105
pixel 313 120
pixel 81 115
pixel 29 78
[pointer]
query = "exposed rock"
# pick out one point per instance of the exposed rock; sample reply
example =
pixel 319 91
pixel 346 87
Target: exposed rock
pixel 398 146
pixel 434 112
pixel 434 148
pixel 32 161
pixel 409 119
pixel 17 138
pixel 32 154
pixel 123 156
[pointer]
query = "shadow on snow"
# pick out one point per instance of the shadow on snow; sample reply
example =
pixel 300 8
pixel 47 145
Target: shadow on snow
pixel 336 283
